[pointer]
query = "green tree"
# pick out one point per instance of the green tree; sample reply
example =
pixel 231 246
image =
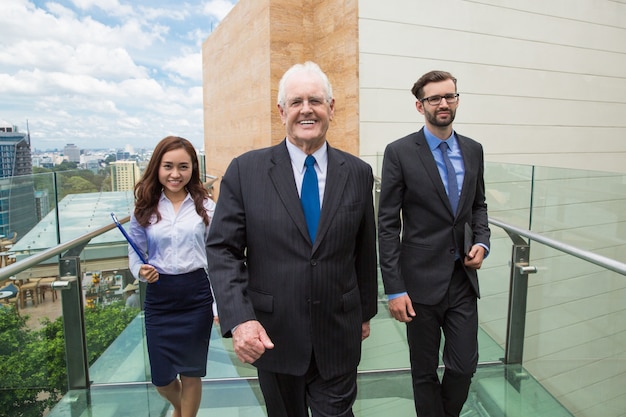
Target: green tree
pixel 33 373
pixel 70 182
pixel 77 185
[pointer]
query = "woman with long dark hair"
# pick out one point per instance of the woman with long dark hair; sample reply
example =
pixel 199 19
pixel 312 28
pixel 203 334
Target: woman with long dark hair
pixel 169 225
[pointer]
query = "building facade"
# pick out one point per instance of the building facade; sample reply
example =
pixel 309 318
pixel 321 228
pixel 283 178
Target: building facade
pixel 72 153
pixel 15 156
pixel 124 175
pixel 540 83
pixel 17 198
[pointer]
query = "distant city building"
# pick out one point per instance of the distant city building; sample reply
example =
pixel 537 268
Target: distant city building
pixel 122 155
pixel 93 165
pixel 42 204
pixel 17 191
pixel 202 165
pixel 14 152
pixel 124 175
pixel 72 153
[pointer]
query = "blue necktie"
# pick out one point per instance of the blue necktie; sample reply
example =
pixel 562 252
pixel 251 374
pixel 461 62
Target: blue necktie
pixel 453 187
pixel 310 197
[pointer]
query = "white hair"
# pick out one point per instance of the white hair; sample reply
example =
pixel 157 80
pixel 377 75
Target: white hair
pixel 310 67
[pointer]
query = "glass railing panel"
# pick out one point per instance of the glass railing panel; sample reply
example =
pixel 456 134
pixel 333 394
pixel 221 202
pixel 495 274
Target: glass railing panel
pixel 574 337
pixel 508 190
pixel 576 332
pixel 586 209
pixel 493 279
pixel 83 209
pixel 379 394
pixel 126 359
pixel 32 350
pixel 386 348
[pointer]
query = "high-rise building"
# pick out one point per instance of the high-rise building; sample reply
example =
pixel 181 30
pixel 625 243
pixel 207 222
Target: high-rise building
pixel 72 152
pixel 17 191
pixel 124 175
pixel 14 152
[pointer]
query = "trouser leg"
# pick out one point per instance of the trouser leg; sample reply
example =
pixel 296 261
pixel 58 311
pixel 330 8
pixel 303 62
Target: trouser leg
pixel 284 394
pixel 460 354
pixel 424 338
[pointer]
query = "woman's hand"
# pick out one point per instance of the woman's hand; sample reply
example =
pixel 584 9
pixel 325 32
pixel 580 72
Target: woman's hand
pixel 149 273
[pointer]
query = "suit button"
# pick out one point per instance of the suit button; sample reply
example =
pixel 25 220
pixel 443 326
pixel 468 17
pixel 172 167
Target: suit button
pixel 314 262
pixel 452 251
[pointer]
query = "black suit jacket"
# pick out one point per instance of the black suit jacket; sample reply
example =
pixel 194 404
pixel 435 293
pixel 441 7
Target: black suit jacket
pixel 414 204
pixel 311 298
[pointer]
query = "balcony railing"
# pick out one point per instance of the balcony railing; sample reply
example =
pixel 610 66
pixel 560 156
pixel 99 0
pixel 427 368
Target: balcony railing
pixel 552 319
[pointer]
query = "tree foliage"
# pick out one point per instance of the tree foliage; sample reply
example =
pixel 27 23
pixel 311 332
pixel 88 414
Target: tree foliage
pixel 33 374
pixel 70 180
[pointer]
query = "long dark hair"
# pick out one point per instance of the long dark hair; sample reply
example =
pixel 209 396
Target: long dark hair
pixel 148 189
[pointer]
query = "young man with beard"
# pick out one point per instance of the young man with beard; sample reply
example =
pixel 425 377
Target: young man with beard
pixel 433 236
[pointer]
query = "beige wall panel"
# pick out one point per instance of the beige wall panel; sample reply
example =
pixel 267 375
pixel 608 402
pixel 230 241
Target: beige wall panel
pixel 609 13
pixel 467 47
pixel 561 83
pixel 336 50
pixel 400 72
pixel 244 58
pixel 237 103
pixel 378 106
pixel 579 26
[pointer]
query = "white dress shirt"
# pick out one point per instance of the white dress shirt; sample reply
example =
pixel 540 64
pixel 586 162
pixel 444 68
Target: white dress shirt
pixel 176 243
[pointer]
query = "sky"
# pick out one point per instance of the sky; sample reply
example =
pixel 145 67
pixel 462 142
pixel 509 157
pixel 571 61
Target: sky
pixel 104 73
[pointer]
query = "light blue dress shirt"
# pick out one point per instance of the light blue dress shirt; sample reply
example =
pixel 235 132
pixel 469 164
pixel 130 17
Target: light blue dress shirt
pixel 457 162
pixel 455 157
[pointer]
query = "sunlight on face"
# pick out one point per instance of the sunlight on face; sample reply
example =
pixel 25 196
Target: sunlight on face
pixel 175 172
pixel 307 113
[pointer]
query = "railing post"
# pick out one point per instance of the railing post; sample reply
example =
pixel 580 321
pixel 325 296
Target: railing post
pixel 518 294
pixel 73 322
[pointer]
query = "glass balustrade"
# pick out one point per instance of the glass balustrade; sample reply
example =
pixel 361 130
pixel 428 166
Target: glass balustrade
pixel 574 346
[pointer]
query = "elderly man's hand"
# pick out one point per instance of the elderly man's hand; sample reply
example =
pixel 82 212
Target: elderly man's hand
pixel 250 341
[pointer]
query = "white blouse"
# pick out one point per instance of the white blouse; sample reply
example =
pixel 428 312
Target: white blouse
pixel 176 244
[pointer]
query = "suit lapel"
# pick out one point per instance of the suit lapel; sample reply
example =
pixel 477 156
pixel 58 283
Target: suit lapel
pixel 428 161
pixel 281 174
pixel 336 178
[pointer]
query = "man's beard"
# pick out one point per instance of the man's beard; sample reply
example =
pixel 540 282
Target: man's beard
pixel 432 118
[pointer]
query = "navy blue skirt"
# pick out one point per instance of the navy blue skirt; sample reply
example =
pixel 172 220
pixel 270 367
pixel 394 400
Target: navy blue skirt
pixel 178 317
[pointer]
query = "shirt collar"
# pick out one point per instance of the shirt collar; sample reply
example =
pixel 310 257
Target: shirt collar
pixel 297 156
pixel 434 142
pixel 164 197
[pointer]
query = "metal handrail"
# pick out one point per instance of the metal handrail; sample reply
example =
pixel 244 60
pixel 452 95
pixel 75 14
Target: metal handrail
pixel 24 264
pixel 594 258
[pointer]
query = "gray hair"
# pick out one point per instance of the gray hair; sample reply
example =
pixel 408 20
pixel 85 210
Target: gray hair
pixel 310 67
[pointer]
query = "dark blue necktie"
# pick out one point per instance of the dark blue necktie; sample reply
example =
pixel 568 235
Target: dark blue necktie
pixel 453 187
pixel 310 197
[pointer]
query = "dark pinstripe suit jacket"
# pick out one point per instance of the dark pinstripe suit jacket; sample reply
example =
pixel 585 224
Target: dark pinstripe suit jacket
pixel 311 298
pixel 413 201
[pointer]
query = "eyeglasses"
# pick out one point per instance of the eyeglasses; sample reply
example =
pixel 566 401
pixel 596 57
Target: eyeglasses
pixel 436 100
pixel 298 102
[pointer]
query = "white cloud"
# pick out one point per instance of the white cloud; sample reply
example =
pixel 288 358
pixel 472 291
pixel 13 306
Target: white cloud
pixel 101 73
pixel 218 8
pixel 188 66
pixel 111 6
